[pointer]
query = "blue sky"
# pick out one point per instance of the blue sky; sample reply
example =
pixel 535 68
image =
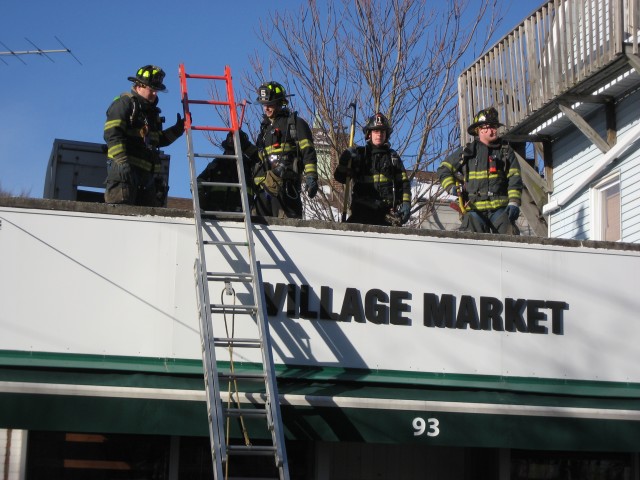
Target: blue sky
pixel 45 100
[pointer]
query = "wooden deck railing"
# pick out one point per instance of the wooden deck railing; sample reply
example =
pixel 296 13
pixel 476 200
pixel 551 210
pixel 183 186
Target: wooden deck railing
pixel 551 52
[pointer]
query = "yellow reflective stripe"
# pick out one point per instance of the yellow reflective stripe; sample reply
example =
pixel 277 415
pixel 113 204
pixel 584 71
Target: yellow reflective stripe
pixel 113 124
pixel 310 168
pixel 448 165
pixel 304 143
pixel 115 150
pixel 447 181
pixel 515 194
pixel 479 175
pixel 379 178
pixel 490 204
pixel 286 148
pixel 406 197
pixel 258 180
pixel 513 172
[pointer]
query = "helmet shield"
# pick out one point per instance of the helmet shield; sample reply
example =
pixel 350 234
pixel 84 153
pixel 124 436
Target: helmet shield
pixel 271 93
pixel 377 122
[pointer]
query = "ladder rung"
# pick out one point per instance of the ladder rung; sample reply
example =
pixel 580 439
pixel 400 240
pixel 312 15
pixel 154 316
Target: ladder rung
pixel 238 342
pixel 221 307
pixel 212 129
pixel 250 450
pixel 205 77
pixel 223 214
pixel 241 376
pixel 224 242
pixel 253 478
pixel 222 276
pixel 207 102
pixel 245 412
pixel 220 184
pixel 216 155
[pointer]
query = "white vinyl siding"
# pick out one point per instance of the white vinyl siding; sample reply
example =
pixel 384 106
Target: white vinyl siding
pixel 574 154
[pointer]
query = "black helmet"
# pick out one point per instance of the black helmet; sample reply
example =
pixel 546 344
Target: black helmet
pixel 271 93
pixel 488 116
pixel 150 76
pixel 377 122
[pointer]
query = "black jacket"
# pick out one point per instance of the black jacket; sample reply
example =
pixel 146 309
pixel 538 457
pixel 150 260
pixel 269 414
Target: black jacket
pixel 379 177
pixel 133 132
pixel 286 142
pixel 491 174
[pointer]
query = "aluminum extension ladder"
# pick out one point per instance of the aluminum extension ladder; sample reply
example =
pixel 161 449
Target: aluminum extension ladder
pixel 266 414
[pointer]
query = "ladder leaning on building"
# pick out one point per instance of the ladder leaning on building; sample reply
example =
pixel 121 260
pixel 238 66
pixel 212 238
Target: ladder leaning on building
pixel 208 282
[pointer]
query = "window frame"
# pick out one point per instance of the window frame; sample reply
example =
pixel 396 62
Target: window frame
pixel 598 209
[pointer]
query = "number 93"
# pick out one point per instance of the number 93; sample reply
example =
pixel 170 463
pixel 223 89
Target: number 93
pixel 420 427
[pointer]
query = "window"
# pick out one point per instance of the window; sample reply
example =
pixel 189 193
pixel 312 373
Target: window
pixel 605 205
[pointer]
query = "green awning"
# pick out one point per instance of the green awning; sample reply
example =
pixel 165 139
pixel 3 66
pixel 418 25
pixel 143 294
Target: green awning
pixel 327 404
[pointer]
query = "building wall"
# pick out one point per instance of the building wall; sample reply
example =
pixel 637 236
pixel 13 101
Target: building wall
pixel 123 286
pixel 385 335
pixel 574 155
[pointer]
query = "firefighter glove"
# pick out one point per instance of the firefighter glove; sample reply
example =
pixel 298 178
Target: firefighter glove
pixel 405 212
pixel 312 186
pixel 513 211
pixel 179 126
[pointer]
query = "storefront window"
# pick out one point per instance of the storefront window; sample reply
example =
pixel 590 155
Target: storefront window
pixel 526 465
pixel 78 456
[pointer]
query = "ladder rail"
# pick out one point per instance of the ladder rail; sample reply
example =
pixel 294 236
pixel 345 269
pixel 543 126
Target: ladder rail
pixel 263 324
pixel 216 427
pixel 272 385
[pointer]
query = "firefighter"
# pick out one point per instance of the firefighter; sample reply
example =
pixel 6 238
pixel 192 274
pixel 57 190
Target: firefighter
pixel 381 189
pixel 133 132
pixel 487 176
pixel 286 152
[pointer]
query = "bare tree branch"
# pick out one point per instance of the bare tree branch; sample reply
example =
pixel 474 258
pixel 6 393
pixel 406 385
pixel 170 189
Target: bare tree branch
pixel 400 57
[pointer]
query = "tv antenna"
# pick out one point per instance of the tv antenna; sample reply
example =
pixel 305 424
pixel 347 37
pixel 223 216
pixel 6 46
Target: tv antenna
pixel 37 51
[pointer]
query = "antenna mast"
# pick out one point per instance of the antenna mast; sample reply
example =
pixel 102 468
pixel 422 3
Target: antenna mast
pixel 38 51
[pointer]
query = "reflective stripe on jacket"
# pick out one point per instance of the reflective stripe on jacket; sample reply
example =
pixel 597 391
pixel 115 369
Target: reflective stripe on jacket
pixel 491 174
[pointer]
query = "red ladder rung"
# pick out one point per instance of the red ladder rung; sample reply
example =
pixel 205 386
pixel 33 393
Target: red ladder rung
pixel 212 129
pixel 206 77
pixel 209 102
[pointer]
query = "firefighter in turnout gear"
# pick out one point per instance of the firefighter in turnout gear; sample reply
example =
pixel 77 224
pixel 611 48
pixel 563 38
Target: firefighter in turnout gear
pixel 286 152
pixel 487 176
pixel 381 189
pixel 133 132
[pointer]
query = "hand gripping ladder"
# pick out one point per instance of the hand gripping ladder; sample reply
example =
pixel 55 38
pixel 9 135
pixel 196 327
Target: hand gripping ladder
pixel 267 414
